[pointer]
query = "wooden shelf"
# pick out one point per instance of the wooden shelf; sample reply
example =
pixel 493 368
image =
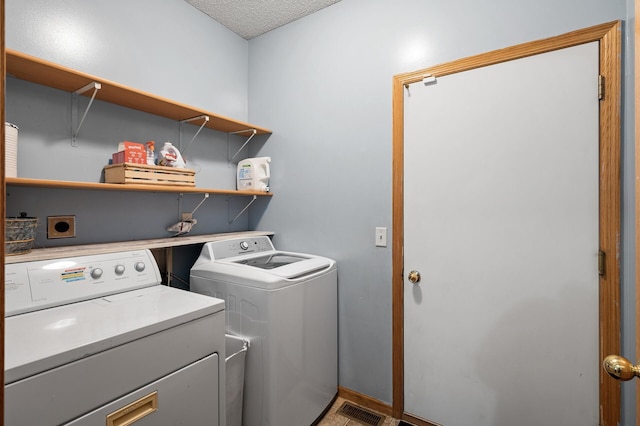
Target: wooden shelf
pixel 91 249
pixel 36 70
pixel 39 71
pixel 63 184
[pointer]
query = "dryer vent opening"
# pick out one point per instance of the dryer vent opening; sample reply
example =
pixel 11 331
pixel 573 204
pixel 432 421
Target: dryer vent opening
pixel 360 415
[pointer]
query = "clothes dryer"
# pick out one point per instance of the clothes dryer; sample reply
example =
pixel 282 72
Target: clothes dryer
pixel 285 304
pixel 97 339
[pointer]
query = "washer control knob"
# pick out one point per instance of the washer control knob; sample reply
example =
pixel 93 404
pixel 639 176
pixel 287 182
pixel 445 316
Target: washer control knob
pixel 96 273
pixel 139 266
pixel 119 269
pixel 244 245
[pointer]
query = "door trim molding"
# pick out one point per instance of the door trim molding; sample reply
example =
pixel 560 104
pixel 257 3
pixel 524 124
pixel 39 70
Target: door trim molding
pixel 609 37
pixel 3 202
pixel 636 57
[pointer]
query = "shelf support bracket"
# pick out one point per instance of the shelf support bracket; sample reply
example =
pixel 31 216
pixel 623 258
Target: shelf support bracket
pixel 254 198
pixel 74 109
pixel 206 195
pixel 187 221
pixel 206 119
pixel 253 133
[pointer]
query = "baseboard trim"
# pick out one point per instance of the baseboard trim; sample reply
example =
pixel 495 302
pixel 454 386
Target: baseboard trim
pixel 365 401
pixel 379 406
pixel 418 421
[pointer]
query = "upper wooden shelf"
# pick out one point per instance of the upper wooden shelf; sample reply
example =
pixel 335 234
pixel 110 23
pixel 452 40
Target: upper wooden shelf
pixel 36 70
pixel 64 184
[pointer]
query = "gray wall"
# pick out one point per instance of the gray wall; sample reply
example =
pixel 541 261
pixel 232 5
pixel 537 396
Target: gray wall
pixel 322 83
pixel 166 48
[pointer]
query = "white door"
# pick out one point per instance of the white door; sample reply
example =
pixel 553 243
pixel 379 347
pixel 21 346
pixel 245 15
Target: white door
pixel 501 221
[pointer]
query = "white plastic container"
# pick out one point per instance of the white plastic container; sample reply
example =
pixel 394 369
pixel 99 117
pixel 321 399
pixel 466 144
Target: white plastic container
pixel 10 150
pixel 254 174
pixel 169 156
pixel 151 157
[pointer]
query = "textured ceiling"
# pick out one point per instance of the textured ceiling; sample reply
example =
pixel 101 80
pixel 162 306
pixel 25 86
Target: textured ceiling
pixel 250 18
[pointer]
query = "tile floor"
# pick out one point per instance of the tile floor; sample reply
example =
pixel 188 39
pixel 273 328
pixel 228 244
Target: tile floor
pixel 334 419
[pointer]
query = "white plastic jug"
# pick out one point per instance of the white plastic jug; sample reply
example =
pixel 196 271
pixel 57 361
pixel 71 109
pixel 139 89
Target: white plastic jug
pixel 170 156
pixel 254 174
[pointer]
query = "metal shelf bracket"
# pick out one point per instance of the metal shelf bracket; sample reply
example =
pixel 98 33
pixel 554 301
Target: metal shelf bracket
pixel 253 133
pixel 186 221
pixel 189 215
pixel 254 198
pixel 206 119
pixel 75 129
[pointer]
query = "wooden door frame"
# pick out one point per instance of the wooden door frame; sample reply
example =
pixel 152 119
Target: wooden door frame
pixel 4 198
pixel 609 37
pixel 637 189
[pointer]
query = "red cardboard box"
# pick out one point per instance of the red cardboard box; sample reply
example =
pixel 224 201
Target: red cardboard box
pixel 129 157
pixel 130 152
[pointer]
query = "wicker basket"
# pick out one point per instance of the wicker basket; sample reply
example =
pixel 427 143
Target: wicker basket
pixel 20 233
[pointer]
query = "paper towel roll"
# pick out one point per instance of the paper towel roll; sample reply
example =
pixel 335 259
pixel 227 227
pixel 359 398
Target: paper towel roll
pixel 10 150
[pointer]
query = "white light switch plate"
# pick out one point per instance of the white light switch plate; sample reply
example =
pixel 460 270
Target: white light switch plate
pixel 381 237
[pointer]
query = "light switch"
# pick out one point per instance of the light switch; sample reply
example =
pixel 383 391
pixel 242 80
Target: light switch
pixel 381 237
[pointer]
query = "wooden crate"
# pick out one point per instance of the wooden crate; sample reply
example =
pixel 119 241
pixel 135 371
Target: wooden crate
pixel 129 173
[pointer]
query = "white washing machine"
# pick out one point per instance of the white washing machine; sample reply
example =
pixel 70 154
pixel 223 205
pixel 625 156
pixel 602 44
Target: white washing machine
pixel 285 304
pixel 94 340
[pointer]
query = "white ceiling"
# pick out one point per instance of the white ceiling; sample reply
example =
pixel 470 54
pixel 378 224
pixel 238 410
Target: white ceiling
pixel 251 18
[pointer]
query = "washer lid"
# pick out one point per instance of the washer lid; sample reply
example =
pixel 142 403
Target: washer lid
pixel 267 270
pixel 271 260
pixel 41 340
pixel 287 265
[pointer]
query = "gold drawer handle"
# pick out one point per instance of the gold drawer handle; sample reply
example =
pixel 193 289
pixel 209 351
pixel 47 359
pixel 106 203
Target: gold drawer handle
pixel 133 412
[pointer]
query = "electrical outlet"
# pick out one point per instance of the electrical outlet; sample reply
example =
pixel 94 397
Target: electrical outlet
pixel 381 237
pixel 61 227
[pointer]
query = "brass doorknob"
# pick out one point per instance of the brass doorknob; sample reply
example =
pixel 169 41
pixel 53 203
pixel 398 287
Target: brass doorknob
pixel 414 276
pixel 620 368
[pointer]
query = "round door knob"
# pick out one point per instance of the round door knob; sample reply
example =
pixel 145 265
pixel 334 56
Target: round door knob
pixel 620 368
pixel 414 276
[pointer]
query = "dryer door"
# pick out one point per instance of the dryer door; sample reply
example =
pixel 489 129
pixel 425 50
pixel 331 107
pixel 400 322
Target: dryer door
pixel 187 396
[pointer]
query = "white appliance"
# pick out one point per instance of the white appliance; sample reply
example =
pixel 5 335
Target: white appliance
pixel 94 340
pixel 285 304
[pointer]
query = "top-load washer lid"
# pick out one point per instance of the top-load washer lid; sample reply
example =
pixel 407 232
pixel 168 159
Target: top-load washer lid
pixel 291 266
pixel 254 262
pixel 266 270
pixel 272 260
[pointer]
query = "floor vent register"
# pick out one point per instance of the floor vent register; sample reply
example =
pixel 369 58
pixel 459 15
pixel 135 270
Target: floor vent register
pixel 360 415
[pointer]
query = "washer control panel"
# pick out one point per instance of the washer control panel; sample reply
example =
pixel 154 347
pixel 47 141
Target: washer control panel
pixel 239 246
pixel 43 284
